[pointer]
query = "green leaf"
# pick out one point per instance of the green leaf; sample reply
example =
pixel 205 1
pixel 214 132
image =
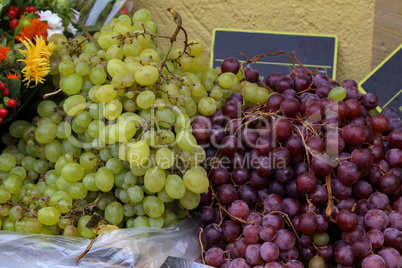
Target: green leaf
pixel 13 85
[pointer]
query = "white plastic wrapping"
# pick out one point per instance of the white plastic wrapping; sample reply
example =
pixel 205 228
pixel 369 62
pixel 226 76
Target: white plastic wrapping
pixel 131 247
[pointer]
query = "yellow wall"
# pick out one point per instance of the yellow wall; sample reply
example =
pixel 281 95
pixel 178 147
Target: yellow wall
pixel 351 21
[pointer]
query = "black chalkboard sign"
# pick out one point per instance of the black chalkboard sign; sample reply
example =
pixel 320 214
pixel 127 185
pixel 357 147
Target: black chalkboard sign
pixel 314 51
pixel 386 82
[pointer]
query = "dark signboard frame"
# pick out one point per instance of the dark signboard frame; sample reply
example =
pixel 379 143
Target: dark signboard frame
pixel 313 50
pixel 386 81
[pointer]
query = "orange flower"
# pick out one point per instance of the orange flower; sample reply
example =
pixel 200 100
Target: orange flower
pixel 13 76
pixel 3 52
pixel 37 28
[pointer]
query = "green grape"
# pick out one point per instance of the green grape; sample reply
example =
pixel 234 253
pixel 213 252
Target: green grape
pixel 83 119
pixel 114 212
pixel 146 75
pixel 145 99
pixel 51 177
pixel 186 141
pixel 97 76
pixel 13 183
pixel 105 93
pixel 200 64
pixel 227 80
pixel 150 53
pixel 16 128
pixel 7 162
pixel 197 156
pixel 249 92
pixel 107 39
pixel 28 163
pixel 88 160
pixel 186 62
pixel 20 171
pixel 216 93
pixel 197 89
pixel 142 15
pixel 165 136
pixel 207 106
pixel 95 127
pixel 321 239
pixel 45 132
pixel 141 221
pixel 62 184
pixel 89 182
pixel 182 122
pixel 175 187
pixel 82 69
pixel 76 128
pixel 196 47
pixel 71 84
pixel 105 154
pixel 153 206
pixel 117 67
pixel 63 223
pixel 114 52
pixel 63 204
pixel 165 117
pixel 5 195
pixel 33 225
pixel 74 105
pixel 53 151
pixel 150 137
pixel 66 67
pixel 63 130
pixel 71 146
pixel 190 200
pixel 20 226
pixel 164 197
pixel 196 181
pixel 138 153
pixel 92 93
pixel 113 109
pixel 262 95
pixel 46 108
pixel 48 215
pixel 41 166
pixel 114 165
pixel 316 262
pixel 139 170
pixel 82 230
pixel 191 108
pixel 169 218
pixel 156 222
pixel 337 94
pixel 132 49
pixel 78 190
pixel 73 172
pixel 104 179
pixel 154 179
pixel 130 179
pixel 135 193
pixel 164 158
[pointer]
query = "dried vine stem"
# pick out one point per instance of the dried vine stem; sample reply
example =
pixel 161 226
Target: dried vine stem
pixel 330 204
pixel 88 35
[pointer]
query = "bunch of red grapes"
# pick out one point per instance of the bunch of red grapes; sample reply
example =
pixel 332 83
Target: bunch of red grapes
pixel 302 181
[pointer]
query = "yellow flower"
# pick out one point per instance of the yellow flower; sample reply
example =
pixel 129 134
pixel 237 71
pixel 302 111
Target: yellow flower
pixel 36 60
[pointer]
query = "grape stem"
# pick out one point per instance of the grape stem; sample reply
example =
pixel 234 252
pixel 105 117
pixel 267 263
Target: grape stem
pixel 52 93
pixel 330 198
pixel 88 35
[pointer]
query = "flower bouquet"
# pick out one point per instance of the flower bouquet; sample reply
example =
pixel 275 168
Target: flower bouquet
pixel 26 29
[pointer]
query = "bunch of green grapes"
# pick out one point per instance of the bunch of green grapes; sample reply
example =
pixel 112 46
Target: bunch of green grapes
pixel 120 143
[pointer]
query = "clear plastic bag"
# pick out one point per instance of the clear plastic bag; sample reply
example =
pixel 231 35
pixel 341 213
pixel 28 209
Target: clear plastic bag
pixel 131 247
